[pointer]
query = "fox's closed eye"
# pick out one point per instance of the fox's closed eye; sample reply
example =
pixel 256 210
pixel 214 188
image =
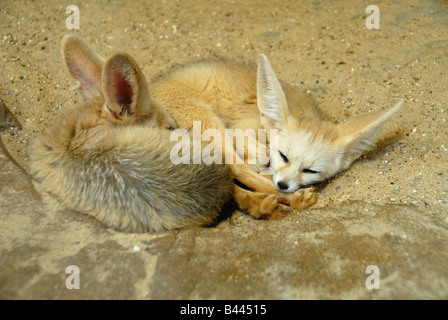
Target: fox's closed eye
pixel 309 171
pixel 285 159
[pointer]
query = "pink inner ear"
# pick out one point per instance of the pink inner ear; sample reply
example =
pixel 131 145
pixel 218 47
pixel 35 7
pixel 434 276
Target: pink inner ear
pixel 89 83
pixel 122 90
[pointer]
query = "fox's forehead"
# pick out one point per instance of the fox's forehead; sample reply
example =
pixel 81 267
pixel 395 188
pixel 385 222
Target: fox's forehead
pixel 305 141
pixel 305 147
pixel 313 128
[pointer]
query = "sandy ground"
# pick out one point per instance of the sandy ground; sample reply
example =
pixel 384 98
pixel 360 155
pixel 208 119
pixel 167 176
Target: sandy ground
pixel 323 47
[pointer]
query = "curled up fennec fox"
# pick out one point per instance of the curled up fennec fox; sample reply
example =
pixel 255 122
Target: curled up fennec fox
pixel 110 156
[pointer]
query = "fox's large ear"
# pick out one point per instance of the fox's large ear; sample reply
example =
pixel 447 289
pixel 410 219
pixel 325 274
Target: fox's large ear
pixel 84 65
pixel 125 88
pixel 271 99
pixel 358 135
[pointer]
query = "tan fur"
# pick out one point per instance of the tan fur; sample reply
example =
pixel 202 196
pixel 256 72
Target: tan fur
pixel 110 157
pixel 227 94
pixel 123 120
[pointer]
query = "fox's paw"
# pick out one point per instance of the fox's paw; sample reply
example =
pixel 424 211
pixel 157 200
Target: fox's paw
pixel 260 205
pixel 279 212
pixel 300 199
pixel 267 207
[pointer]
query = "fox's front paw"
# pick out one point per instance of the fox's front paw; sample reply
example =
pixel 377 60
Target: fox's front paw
pixel 261 205
pixel 280 211
pixel 300 199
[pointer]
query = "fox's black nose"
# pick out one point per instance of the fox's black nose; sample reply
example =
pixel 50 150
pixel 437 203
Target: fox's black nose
pixel 282 186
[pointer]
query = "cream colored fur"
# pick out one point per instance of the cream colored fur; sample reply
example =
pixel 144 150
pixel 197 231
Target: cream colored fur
pixel 110 156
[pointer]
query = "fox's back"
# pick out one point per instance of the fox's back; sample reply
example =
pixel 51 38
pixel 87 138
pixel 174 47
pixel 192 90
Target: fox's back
pixel 230 87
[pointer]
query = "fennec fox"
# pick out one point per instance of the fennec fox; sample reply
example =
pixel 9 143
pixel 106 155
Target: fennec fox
pixel 224 94
pixel 310 148
pixel 116 166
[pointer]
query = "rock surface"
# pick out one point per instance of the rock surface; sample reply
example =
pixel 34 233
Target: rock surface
pixel 320 253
